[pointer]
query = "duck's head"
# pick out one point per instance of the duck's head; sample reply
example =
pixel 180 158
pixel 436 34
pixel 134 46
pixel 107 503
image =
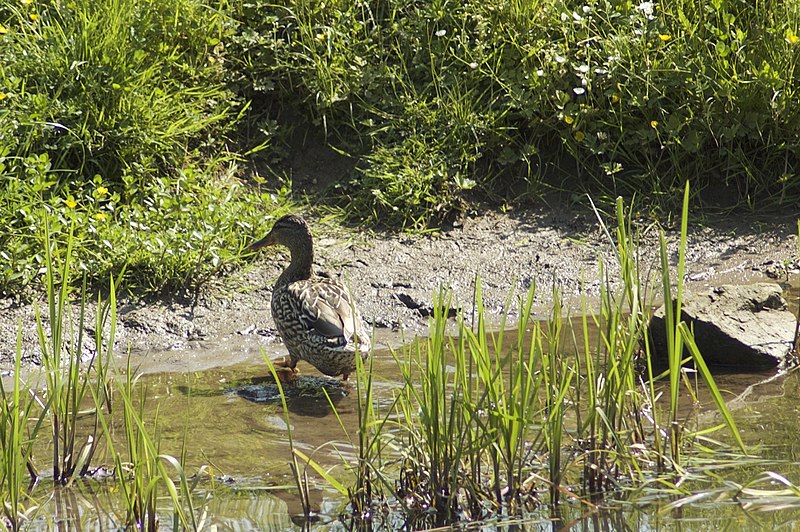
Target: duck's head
pixel 290 231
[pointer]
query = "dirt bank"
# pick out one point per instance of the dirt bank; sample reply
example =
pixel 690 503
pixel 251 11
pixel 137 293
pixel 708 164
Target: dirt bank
pixel 394 277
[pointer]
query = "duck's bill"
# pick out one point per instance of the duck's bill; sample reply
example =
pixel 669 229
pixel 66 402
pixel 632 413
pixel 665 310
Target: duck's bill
pixel 266 241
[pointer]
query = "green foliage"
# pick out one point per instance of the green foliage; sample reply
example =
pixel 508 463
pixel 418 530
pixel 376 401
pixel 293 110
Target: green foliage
pixel 18 433
pixel 143 472
pixel 70 373
pixel 106 110
pixel 438 95
pixel 178 235
pixel 128 117
pixel 116 88
pixel 485 422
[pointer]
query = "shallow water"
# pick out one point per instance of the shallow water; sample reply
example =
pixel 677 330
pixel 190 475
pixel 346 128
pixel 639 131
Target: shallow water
pixel 245 442
pixel 232 422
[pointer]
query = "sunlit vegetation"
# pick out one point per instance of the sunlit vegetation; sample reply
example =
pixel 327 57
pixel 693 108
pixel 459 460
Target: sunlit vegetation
pixel 143 121
pixel 492 426
pixel 617 96
pixel 483 425
pixel 116 121
pixel 80 381
pixel 125 130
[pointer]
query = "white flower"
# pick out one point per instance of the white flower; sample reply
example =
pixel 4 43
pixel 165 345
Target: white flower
pixel 579 90
pixel 647 9
pixel 441 33
pixel 583 69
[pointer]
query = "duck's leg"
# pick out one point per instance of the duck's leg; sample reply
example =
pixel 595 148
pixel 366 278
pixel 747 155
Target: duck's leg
pixel 286 368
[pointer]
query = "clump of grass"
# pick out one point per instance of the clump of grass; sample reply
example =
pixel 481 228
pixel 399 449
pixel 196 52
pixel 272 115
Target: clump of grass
pixel 298 473
pixel 73 380
pixel 497 93
pixel 117 118
pixel 454 441
pixel 143 471
pixel 126 90
pixel 68 373
pixel 485 424
pixel 18 409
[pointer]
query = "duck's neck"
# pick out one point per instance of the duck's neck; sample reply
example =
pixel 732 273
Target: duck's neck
pixel 299 268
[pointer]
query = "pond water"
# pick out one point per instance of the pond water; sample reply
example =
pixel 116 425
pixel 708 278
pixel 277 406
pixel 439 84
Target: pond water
pixel 233 423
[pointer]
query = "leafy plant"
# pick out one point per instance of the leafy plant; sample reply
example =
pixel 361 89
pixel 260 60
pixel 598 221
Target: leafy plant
pixel 638 97
pixel 484 419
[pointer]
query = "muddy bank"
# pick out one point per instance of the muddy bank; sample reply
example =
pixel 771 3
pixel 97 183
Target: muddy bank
pixel 394 277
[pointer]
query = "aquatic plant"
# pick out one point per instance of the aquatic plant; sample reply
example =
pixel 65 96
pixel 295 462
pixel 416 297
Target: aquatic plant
pixel 484 422
pixel 18 433
pixel 298 473
pixel 69 372
pixel 143 471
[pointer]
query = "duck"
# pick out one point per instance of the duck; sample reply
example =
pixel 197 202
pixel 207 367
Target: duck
pixel 315 315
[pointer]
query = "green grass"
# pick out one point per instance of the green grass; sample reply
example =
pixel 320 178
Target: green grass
pixel 117 121
pixel 142 471
pixel 437 97
pixel 135 118
pixel 70 374
pixel 492 425
pixel 18 432
pixel 78 383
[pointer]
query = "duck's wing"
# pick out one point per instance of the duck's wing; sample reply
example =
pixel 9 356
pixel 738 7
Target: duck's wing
pixel 326 309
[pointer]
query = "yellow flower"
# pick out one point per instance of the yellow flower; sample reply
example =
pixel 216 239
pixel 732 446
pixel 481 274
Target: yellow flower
pixel 102 191
pixel 3 29
pixel 3 96
pixel 792 39
pixel 616 98
pixel 664 37
pixel 320 36
pixel 34 17
pixel 568 120
pixel 71 203
pixel 100 216
pixel 654 124
pixel 27 2
pixel 579 136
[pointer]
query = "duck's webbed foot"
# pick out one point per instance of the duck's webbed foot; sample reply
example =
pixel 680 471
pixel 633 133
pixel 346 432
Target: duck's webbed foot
pixel 286 368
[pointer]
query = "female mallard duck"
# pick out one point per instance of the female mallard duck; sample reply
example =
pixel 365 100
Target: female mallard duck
pixel 315 316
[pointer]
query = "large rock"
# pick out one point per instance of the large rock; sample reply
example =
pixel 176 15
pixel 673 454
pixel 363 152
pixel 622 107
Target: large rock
pixel 747 327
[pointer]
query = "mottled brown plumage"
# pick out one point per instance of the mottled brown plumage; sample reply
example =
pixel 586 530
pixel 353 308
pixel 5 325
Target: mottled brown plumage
pixel 315 316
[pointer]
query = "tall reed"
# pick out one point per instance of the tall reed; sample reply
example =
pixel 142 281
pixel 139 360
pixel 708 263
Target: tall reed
pixel 298 473
pixel 142 471
pixel 69 373
pixel 480 414
pixel 18 432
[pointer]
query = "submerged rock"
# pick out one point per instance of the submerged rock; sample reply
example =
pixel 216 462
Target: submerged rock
pixel 305 387
pixel 747 327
